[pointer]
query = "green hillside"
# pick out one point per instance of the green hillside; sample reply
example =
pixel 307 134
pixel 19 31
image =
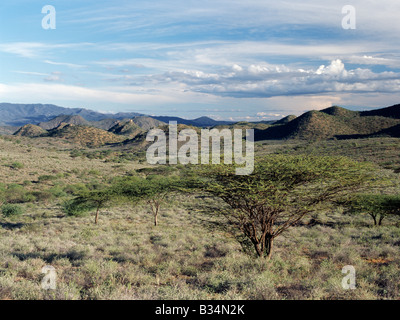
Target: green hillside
pixel 85 135
pixel 332 122
pixel 30 130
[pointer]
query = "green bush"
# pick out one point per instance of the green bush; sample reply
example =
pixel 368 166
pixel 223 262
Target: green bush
pixel 16 194
pixel 77 208
pixel 9 210
pixel 58 192
pixel 75 188
pixel 16 165
pixel 47 178
pixel 42 196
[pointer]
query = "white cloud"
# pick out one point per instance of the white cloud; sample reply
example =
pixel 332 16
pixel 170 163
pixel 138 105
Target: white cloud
pixel 269 114
pixel 22 49
pixel 70 65
pixel 336 68
pixel 29 73
pixel 298 66
pixel 36 49
pixel 54 77
pixel 57 92
pixel 268 80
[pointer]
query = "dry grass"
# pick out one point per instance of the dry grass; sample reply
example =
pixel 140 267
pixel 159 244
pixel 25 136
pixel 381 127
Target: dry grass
pixel 188 256
pixel 43 159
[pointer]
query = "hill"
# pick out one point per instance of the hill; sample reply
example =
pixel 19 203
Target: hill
pixel 69 119
pixel 286 119
pixel 389 112
pixel 333 122
pixel 340 112
pixel 30 130
pixel 147 123
pixel 85 135
pixel 105 124
pixel 127 128
pixel 199 122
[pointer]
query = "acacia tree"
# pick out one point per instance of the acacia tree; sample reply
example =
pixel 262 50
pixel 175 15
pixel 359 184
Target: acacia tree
pixel 280 192
pixel 378 206
pixel 96 199
pixel 152 189
pixel 156 191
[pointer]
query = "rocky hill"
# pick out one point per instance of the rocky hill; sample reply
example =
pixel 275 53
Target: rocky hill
pixel 30 130
pixel 147 123
pixel 286 119
pixel 334 122
pixel 105 124
pixel 69 119
pixel 85 135
pixel 126 128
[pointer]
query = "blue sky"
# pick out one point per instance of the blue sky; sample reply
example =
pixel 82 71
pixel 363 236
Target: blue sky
pixel 237 60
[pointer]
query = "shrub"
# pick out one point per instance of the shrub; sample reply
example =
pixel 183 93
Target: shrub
pixel 42 196
pixel 75 188
pixel 16 165
pixel 9 210
pixel 77 208
pixel 16 194
pixel 58 192
pixel 47 178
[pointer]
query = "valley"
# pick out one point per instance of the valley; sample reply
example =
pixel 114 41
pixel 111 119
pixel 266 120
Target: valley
pixel 193 252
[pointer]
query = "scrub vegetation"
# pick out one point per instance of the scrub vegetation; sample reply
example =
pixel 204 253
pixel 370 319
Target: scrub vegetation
pixel 114 227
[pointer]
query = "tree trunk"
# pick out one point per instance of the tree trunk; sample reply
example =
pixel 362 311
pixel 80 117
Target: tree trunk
pixel 97 215
pixel 380 220
pixel 266 250
pixel 155 208
pixel 375 222
pixel 269 243
pixel 258 249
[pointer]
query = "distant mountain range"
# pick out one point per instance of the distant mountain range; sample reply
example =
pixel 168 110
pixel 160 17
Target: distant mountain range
pixel 20 114
pixel 17 115
pixel 93 128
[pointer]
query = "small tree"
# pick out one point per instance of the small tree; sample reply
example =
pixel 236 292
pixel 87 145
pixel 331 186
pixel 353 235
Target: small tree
pixel 92 199
pixel 280 192
pixel 153 190
pixel 378 206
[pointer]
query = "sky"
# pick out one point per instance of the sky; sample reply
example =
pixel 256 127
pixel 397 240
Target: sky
pixel 230 60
